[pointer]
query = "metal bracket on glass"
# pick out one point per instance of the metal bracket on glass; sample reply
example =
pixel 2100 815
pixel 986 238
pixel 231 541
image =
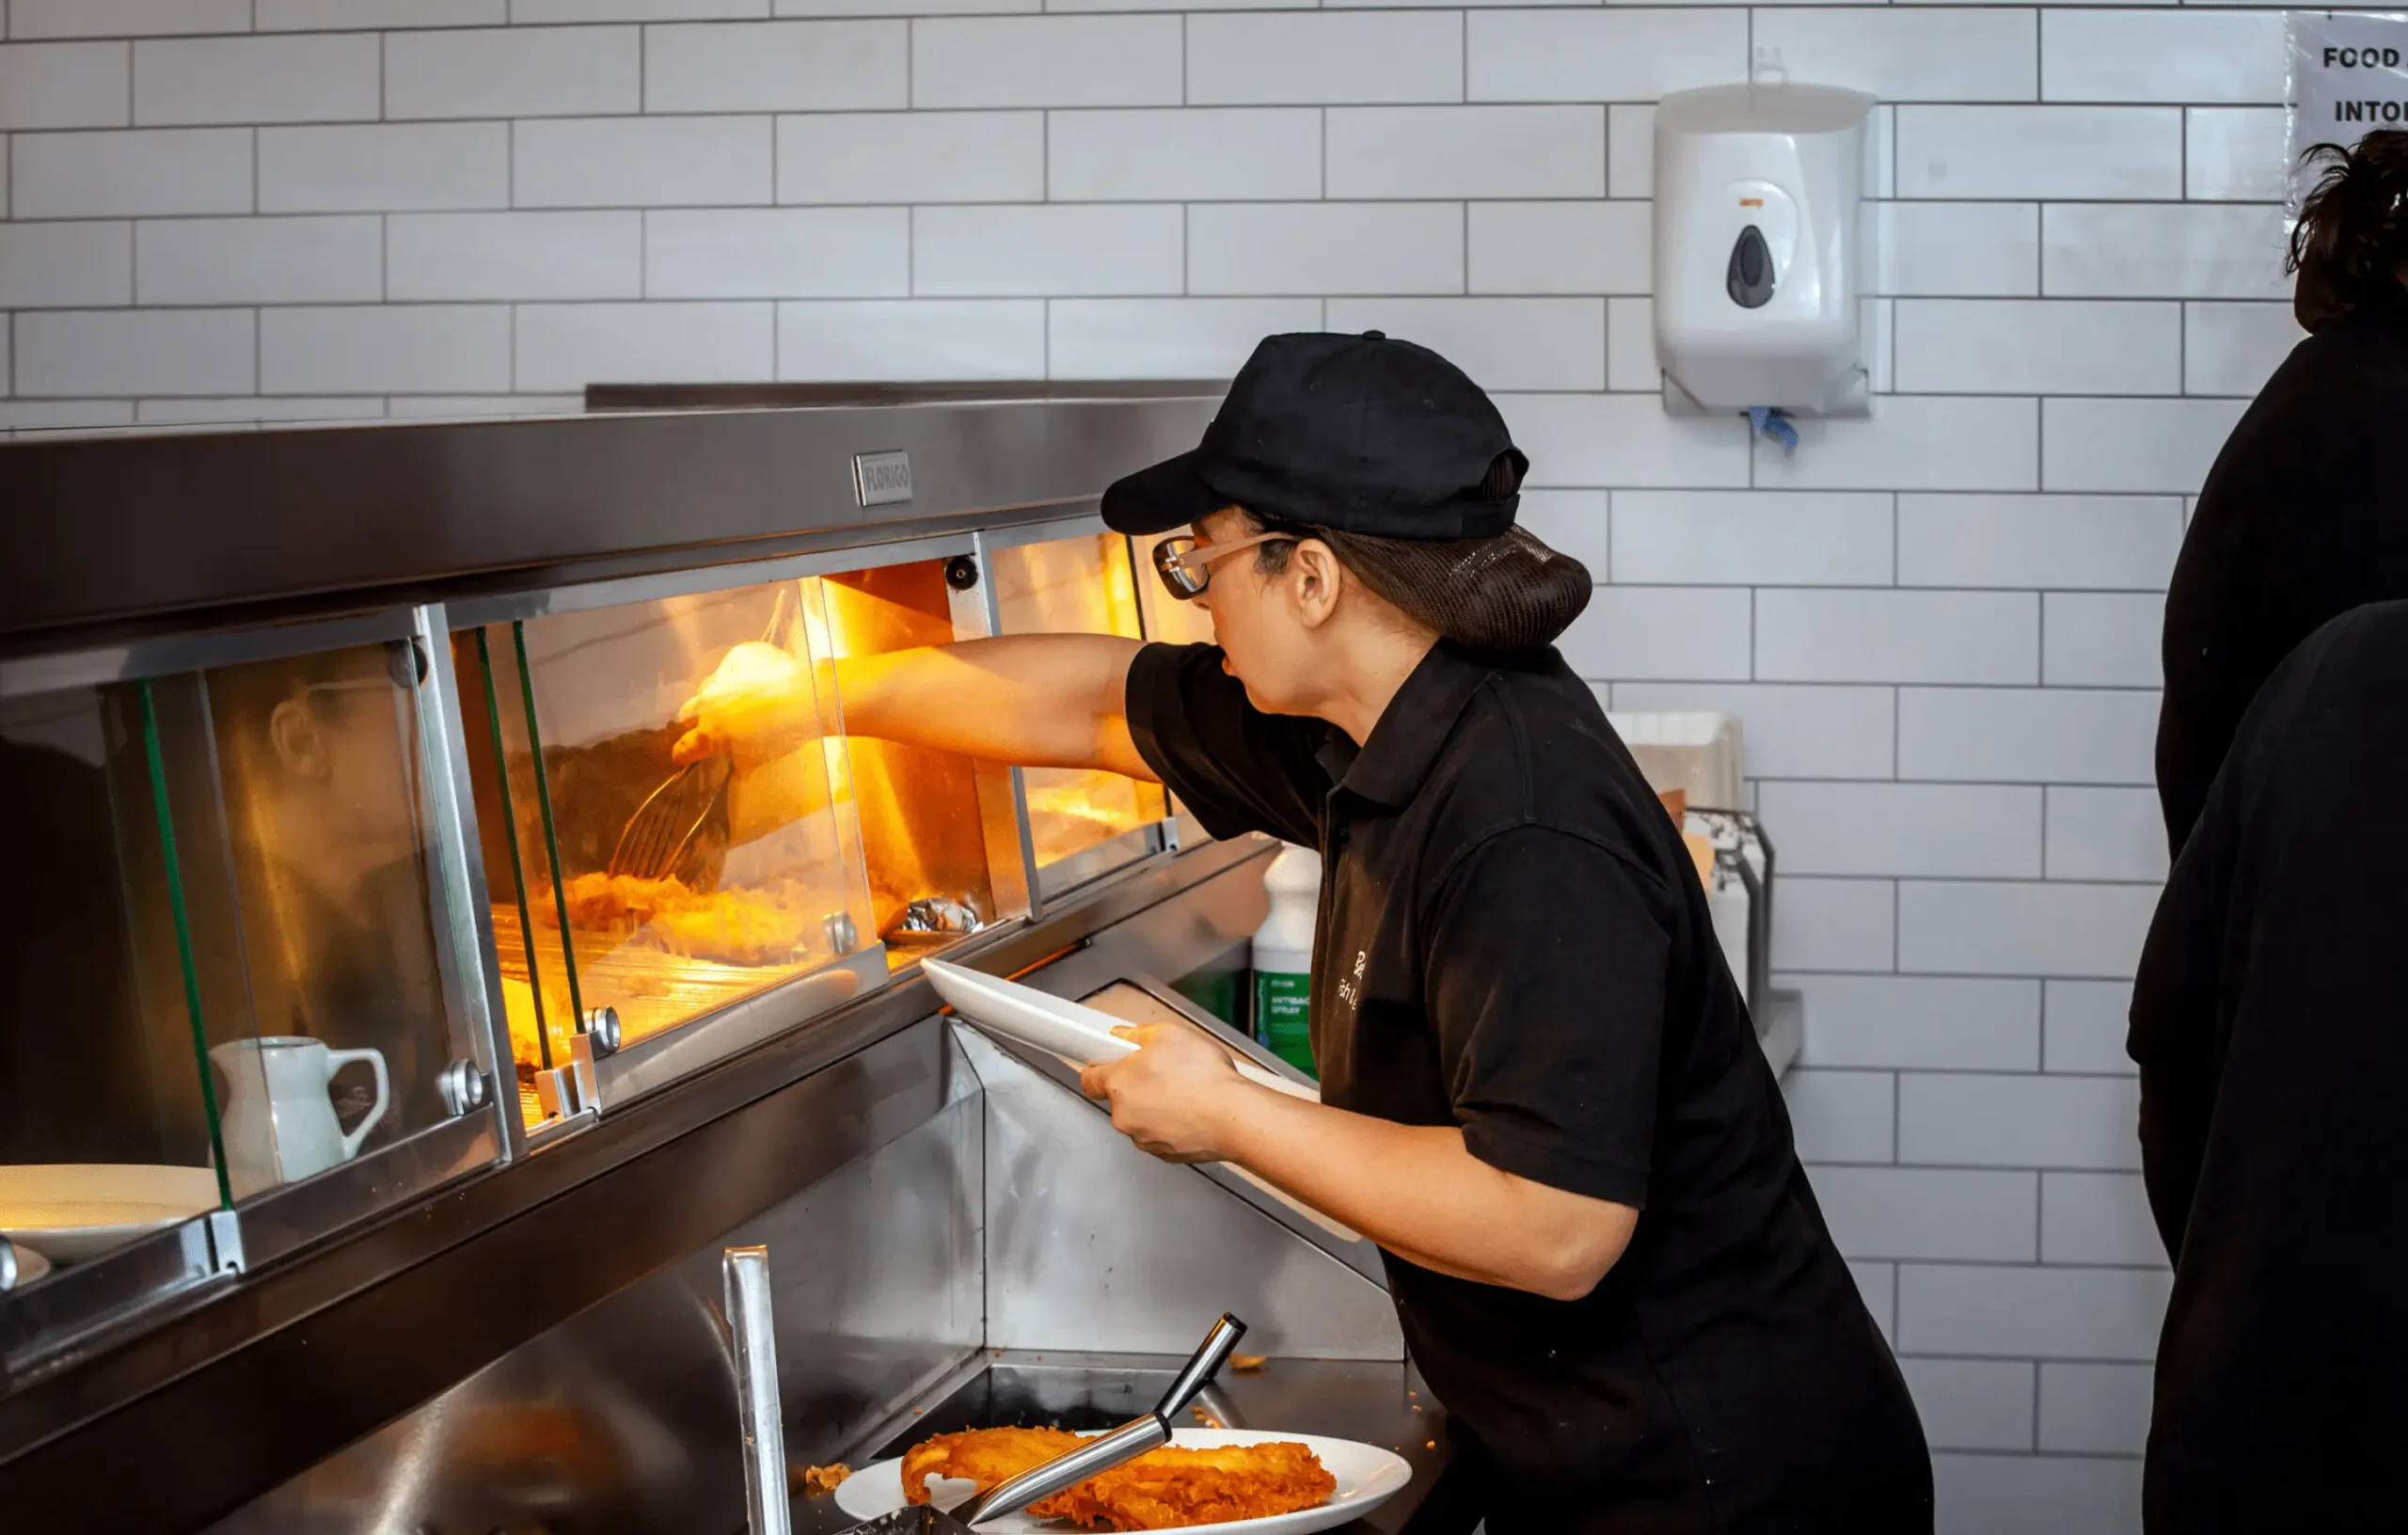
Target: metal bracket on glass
pixel 758 1410
pixel 225 1238
pixel 556 1091
pixel 595 1043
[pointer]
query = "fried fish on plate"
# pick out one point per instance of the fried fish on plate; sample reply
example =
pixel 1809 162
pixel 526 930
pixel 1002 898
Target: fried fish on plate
pixel 989 1457
pixel 1175 1486
pixel 1163 1489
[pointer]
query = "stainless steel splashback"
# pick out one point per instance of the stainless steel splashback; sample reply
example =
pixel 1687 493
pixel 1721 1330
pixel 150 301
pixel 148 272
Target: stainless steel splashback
pixel 623 1416
pixel 1093 1246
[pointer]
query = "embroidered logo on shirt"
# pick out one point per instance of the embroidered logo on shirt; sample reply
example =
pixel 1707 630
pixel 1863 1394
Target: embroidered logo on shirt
pixel 1349 991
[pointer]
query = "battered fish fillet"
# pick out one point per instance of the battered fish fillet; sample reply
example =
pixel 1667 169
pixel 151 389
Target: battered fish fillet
pixel 731 927
pixel 1171 1487
pixel 989 1457
pixel 1163 1489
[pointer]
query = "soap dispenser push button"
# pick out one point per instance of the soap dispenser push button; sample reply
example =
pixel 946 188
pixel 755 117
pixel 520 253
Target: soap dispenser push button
pixel 1749 278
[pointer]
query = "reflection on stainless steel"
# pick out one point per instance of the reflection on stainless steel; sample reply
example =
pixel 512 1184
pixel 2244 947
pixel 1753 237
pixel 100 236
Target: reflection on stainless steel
pixel 753 1340
pixel 40 1329
pixel 622 1418
pixel 1093 1244
pixel 292 1215
pixel 588 492
pixel 1215 1410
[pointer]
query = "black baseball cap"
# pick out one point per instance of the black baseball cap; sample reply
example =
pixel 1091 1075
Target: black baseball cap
pixel 1360 433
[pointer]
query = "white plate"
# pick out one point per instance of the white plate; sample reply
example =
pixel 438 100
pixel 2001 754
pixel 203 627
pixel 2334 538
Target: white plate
pixel 1083 1037
pixel 1078 1034
pixel 1366 1475
pixel 74 1210
pixel 31 1265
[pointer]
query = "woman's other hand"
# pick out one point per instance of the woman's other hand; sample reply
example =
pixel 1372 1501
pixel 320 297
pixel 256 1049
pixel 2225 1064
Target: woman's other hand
pixel 1172 1097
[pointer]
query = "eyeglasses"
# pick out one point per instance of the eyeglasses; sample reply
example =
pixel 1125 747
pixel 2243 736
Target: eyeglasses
pixel 1185 563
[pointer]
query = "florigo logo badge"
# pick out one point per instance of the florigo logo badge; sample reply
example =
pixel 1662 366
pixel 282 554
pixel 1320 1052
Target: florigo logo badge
pixel 882 479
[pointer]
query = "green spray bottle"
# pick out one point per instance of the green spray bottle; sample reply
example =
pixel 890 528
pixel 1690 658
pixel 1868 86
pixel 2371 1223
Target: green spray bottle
pixel 1283 958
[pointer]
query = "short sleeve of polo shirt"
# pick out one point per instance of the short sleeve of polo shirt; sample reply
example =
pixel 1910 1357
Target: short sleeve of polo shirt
pixel 1547 959
pixel 1236 768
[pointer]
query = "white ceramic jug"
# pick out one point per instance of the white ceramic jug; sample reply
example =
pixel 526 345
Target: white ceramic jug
pixel 280 1124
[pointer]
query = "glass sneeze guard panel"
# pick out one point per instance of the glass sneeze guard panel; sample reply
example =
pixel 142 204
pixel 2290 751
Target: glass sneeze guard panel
pixel 940 832
pixel 1082 823
pixel 757 878
pixel 231 996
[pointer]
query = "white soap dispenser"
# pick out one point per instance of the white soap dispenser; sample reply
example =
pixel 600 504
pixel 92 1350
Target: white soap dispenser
pixel 1762 248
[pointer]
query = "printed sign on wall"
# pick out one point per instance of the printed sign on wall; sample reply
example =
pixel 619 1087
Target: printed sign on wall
pixel 2349 77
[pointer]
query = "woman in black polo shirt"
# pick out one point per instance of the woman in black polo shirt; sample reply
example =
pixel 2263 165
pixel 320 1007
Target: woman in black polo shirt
pixel 1542 1096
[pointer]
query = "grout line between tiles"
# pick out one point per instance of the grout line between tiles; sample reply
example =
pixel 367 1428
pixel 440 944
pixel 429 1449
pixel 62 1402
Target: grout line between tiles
pixel 2035 1406
pixel 2039 1215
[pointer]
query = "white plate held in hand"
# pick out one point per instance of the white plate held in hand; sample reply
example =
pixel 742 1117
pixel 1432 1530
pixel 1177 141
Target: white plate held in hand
pixel 1075 1032
pixel 1083 1037
pixel 1366 1475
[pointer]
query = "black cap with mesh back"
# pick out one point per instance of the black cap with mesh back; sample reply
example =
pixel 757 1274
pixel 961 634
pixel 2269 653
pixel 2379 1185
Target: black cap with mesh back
pixel 1386 451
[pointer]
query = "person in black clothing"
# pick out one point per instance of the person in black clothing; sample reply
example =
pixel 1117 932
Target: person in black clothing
pixel 2305 513
pixel 1540 1093
pixel 2267 1022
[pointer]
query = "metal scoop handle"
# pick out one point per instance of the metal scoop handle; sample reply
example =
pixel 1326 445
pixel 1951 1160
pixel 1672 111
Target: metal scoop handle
pixel 1125 1443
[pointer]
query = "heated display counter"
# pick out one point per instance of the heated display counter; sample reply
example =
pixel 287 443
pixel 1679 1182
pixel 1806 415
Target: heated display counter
pixel 396 1029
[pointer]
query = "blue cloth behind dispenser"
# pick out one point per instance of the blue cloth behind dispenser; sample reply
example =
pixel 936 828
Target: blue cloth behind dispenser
pixel 1771 421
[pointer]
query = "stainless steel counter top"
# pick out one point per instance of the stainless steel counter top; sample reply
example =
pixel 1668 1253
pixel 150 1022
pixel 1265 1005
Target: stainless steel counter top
pixel 1384 1404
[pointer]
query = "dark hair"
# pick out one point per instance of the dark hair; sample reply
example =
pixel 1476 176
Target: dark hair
pixel 2352 233
pixel 1509 594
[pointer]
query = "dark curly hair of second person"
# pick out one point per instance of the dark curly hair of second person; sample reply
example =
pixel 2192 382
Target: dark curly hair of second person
pixel 2351 244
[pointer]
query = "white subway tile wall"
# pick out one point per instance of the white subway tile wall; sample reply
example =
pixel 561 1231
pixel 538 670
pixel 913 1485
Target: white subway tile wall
pixel 1974 1403
pixel 2094 1409
pixel 2083 1026
pixel 1938 625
